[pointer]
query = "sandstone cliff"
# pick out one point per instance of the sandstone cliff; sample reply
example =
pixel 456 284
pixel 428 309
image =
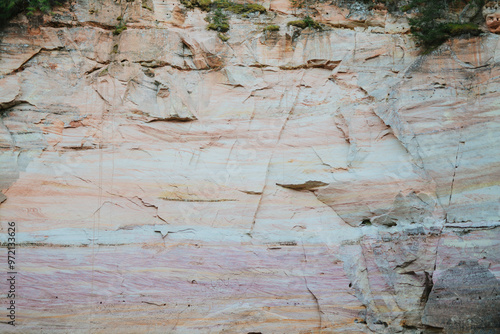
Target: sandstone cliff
pixel 296 181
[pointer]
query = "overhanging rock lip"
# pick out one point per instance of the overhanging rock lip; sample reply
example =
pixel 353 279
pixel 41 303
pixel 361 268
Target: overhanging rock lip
pixel 308 185
pixel 173 118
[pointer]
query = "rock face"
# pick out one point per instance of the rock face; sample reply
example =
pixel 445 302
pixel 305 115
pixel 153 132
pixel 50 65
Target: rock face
pixel 164 181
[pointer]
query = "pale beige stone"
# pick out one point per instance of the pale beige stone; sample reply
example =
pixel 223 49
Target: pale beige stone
pixel 165 181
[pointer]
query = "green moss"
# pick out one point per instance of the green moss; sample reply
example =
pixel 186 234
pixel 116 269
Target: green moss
pixel 299 24
pixel 306 22
pixel 458 29
pixel 201 4
pixel 406 8
pixel 187 4
pixel 119 29
pixel 434 23
pixel 223 37
pixel 272 27
pixel 254 8
pixel 233 7
pixel 10 8
pixel 224 27
pixel 145 5
pixel 103 72
pixel 433 36
pixel 237 8
pixel 204 4
pixel 218 21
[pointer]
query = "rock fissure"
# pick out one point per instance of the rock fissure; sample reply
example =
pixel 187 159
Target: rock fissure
pixel 455 167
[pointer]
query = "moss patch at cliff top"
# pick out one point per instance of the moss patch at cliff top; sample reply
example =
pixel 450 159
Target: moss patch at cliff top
pixel 307 22
pixel 201 4
pixel 217 21
pixel 436 35
pixel 208 5
pixel 432 22
pixel 437 21
pixel 272 27
pixel 239 8
pixel 10 8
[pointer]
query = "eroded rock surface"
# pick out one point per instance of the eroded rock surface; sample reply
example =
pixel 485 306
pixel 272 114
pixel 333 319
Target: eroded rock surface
pixel 164 181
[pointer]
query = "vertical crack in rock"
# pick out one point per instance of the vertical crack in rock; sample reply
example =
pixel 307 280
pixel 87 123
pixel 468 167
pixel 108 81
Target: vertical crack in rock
pixel 407 141
pixel 374 311
pixel 397 135
pixel 437 244
pixel 341 125
pixel 457 158
pixel 316 301
pixel 179 317
pixel 261 195
pixel 290 112
pixel 428 285
pixel 390 116
pixel 355 266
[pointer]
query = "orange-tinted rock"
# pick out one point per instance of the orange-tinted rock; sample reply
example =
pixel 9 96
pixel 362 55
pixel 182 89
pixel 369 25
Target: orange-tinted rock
pixel 491 13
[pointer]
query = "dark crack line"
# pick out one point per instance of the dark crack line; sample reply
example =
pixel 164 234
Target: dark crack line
pixel 92 24
pixel 155 304
pixel 42 49
pixel 94 69
pixel 272 154
pixel 106 102
pixel 160 64
pixel 179 317
pixel 4 107
pixel 320 159
pixel 428 286
pixel 163 236
pixel 454 171
pixel 144 205
pixel 105 202
pixel 318 307
pixel 437 244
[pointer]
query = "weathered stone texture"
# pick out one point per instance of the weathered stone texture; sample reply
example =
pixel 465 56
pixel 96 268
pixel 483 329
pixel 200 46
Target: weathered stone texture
pixel 164 181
